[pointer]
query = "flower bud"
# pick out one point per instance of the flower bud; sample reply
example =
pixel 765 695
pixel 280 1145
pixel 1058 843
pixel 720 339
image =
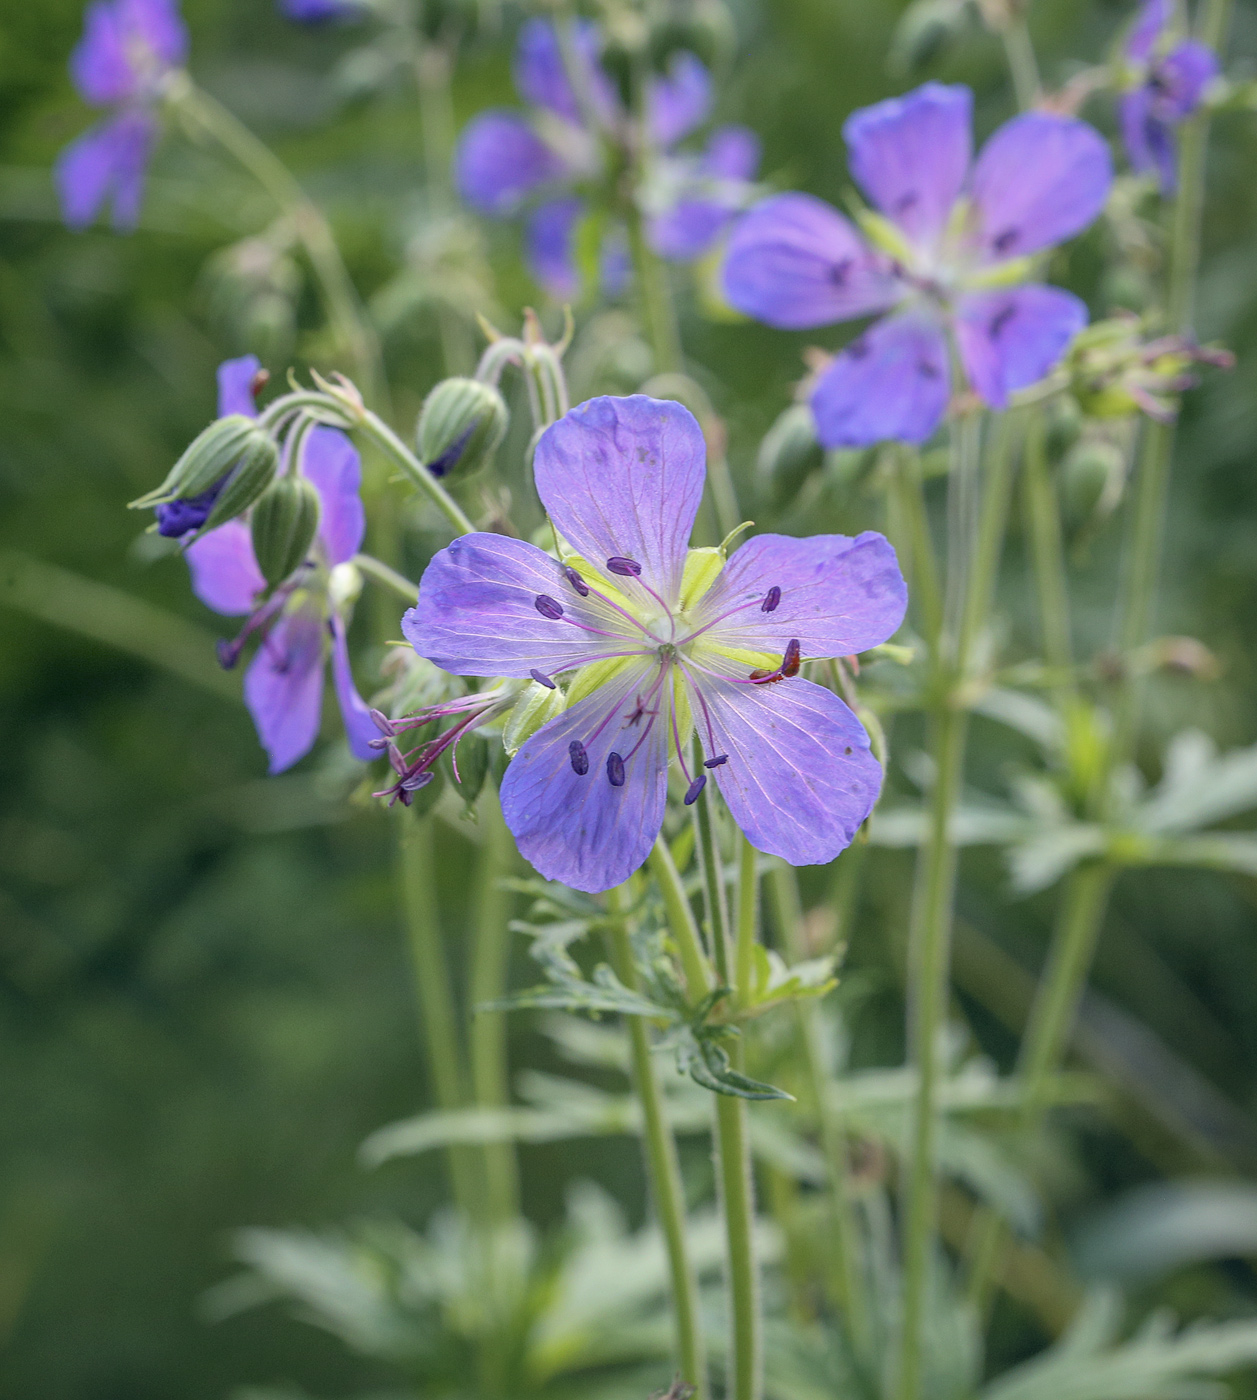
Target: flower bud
pixel 460 427
pixel 285 518
pixel 789 452
pixel 254 472
pixel 207 461
pixel 1091 481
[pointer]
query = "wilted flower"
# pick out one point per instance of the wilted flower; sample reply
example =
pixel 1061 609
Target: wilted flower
pixel 1168 78
pixel 1115 370
pixel 950 240
pixel 660 641
pixel 508 162
pixel 304 619
pixel 127 51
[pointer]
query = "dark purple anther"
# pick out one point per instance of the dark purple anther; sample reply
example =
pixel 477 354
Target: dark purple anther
pixel 717 761
pixel 549 607
pixel 791 660
pixel 691 795
pixel 615 770
pixel 771 599
pixel 580 759
pixel 381 743
pixel 576 581
pixel 382 722
pixel 628 568
pixel 541 678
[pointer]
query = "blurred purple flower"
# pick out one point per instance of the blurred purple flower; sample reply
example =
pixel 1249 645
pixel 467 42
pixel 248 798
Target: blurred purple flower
pixel 949 247
pixel 662 641
pixel 1170 79
pixel 510 163
pixel 122 61
pixel 303 620
pixel 319 11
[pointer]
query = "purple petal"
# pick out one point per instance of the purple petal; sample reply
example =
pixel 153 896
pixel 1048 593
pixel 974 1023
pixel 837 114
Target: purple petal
pixel 911 155
pixel 615 262
pixel 332 463
pixel 1149 141
pixel 106 165
pixel 580 829
pixel 235 386
pixel 688 229
pixel 1012 337
pixel 501 160
pixel 839 596
pixel 1152 20
pixel 157 24
pixel 891 384
pixel 793 262
pixel 320 11
pixel 360 728
pixel 477 612
pixel 541 75
pixel 225 574
pixel 732 153
pixel 1183 76
pixel 800 777
pixel 623 477
pixel 1038 181
pixel 549 246
pixel 679 101
pixel 100 64
pixel 283 687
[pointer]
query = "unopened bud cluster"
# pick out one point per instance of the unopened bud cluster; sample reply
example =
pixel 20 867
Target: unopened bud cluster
pixel 462 423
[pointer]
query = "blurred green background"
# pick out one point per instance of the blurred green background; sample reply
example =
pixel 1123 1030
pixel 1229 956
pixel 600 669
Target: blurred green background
pixel 205 996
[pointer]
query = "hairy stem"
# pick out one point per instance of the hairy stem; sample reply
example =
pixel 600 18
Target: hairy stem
pixel 680 917
pixel 416 473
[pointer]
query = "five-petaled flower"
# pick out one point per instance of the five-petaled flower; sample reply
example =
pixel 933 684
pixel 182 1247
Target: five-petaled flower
pixel 508 161
pixel 1168 78
pixel 952 243
pixel 127 51
pixel 659 642
pixel 303 620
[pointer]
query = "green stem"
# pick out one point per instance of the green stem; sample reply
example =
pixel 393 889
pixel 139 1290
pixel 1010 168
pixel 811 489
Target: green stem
pixel 748 921
pixel 733 1148
pixel 1048 551
pixel 847 1282
pixel 658 311
pixel 926 590
pixel 344 309
pixel 390 578
pixel 662 1164
pixel 490 958
pixel 417 875
pixel 416 473
pixel 680 917
pixel 1022 64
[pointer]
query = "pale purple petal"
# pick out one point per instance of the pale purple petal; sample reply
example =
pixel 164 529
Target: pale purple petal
pixel 678 102
pixel 1038 181
pixel 101 65
pixel 283 687
pixel 688 229
pixel 891 384
pixel 225 574
pixel 1012 337
pixel 837 595
pixel 623 478
pixel 106 166
pixel 541 76
pixel 332 463
pixel 235 386
pixel 500 161
pixel 579 828
pixel 360 728
pixel 794 262
pixel 1152 20
pixel 550 246
pixel 732 153
pixel 157 24
pixel 911 155
pixel 1149 141
pixel 800 777
pixel 1183 75
pixel 477 612
pixel 320 11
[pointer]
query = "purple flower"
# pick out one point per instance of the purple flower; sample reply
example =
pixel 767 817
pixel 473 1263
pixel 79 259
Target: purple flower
pixel 127 50
pixel 660 642
pixel 510 163
pixel 319 11
pixel 947 252
pixel 303 620
pixel 1169 79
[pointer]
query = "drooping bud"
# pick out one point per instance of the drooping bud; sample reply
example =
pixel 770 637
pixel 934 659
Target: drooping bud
pixel 210 458
pixel 285 518
pixel 253 473
pixel 460 427
pixel 1093 475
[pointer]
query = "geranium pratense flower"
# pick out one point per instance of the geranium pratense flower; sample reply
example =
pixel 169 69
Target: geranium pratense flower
pixel 1168 80
pixel 303 620
pixel 952 240
pixel 127 51
pixel 319 11
pixel 508 162
pixel 660 641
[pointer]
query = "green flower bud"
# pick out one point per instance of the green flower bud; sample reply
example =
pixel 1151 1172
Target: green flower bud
pixel 789 452
pixel 254 472
pixel 1064 426
pixel 285 518
pixel 460 427
pixel 211 456
pixel 1091 480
